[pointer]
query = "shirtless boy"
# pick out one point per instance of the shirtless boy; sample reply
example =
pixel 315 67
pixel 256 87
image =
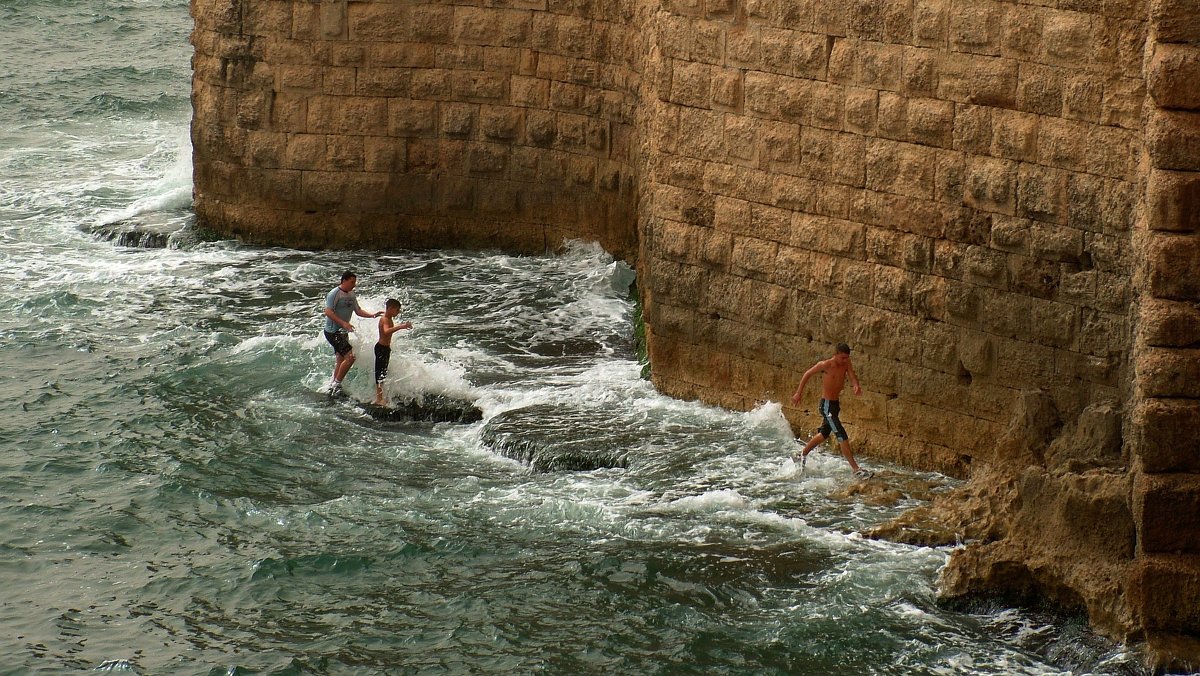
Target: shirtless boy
pixel 835 371
pixel 383 348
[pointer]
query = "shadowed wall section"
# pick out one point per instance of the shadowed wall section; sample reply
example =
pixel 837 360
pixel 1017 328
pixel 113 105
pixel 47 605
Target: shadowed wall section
pixel 994 202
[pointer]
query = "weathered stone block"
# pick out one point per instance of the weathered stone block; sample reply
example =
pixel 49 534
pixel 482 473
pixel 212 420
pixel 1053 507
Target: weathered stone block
pixel 990 185
pixel 892 117
pixel 931 122
pixel 1123 102
pixel 1068 39
pixel 781 142
pixel 1174 262
pixel 1175 20
pixel 1164 589
pixel 268 18
pixel 492 26
pixel 501 123
pixel 298 77
pixel 920 72
pixel 1014 135
pixel 479 86
pixel 402 54
pixel 344 153
pixel 407 117
pixel 457 119
pixel 1167 434
pixel 707 140
pixel 334 20
pixel 880 66
pixel 1055 242
pixel 975 27
pixel 384 153
pixel 369 21
pixel 1173 199
pixel 1042 193
pixel 900 168
pixel 742 135
pixel 1010 234
pixel 1098 204
pixel 1167 509
pixel 792 101
pixel 1021 33
pixel 1034 277
pixel 726 88
pixel 861 110
pixel 1063 144
pixel 980 80
pixel 930 22
pixel 810 55
pixel 842 66
pixel 973 129
pixel 348 115
pixel 1162 372
pixel 337 80
pixel 458 57
pixel 1083 97
pixel 1166 323
pixel 305 151
pixel 1114 152
pixel 690 84
pixel 753 258
pixel 487 158
pixel 1040 89
pixel 1173 139
pixel 828 103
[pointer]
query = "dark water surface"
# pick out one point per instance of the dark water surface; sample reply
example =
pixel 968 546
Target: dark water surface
pixel 178 496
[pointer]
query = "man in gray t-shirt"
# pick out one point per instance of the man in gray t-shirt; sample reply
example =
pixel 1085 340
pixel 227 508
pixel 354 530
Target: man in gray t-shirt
pixel 340 305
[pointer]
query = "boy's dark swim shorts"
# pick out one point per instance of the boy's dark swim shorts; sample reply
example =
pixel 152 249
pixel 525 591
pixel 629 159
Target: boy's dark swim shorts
pixel 383 355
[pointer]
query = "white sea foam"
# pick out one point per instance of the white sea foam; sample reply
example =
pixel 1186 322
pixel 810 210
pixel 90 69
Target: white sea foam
pixel 768 417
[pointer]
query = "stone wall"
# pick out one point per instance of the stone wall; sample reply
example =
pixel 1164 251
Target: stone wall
pixel 414 124
pixel 995 202
pixel 1166 348
pixel 950 187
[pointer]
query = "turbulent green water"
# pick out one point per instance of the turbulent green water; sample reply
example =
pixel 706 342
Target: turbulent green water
pixel 177 495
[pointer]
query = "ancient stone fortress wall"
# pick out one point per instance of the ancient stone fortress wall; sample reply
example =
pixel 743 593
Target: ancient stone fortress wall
pixel 1165 401
pixel 955 188
pixel 335 124
pixel 996 203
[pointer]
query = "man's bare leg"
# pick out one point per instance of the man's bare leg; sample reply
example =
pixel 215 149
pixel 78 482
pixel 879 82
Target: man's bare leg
pixel 849 456
pixel 343 367
pixel 812 443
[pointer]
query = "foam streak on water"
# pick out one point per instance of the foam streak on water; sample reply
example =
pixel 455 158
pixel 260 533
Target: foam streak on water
pixel 177 496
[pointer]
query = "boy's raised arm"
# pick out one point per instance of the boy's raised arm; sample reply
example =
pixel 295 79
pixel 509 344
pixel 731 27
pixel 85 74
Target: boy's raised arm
pixel 813 370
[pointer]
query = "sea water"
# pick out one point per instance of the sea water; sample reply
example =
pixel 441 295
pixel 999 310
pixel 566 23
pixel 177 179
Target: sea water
pixel 178 495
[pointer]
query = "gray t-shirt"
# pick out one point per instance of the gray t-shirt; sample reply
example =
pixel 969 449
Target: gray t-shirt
pixel 343 305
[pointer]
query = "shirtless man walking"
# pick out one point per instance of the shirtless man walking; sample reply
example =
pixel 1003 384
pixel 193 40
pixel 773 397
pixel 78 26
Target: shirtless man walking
pixel 835 371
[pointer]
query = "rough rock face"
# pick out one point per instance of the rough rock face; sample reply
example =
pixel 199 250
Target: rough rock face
pixel 997 204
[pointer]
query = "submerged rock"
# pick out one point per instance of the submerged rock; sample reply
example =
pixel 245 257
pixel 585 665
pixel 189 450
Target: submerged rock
pixel 551 438
pixel 430 408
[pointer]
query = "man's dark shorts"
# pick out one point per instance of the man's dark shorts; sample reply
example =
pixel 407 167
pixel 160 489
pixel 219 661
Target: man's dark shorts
pixel 383 355
pixel 829 414
pixel 340 342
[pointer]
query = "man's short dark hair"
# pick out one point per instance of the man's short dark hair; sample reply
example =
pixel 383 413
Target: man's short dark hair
pixel 348 275
pixel 843 348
